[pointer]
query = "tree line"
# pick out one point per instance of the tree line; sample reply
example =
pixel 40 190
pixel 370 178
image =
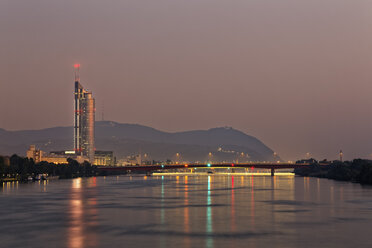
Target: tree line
pixel 358 170
pixel 20 168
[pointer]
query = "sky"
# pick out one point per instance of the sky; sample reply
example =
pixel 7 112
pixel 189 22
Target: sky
pixel 297 74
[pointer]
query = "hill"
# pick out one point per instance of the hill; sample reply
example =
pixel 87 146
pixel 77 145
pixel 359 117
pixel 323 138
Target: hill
pixel 225 143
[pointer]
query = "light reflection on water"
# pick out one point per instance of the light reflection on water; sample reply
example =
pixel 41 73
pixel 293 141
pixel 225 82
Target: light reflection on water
pixel 232 203
pixel 186 211
pixel 209 223
pixel 82 214
pixel 186 218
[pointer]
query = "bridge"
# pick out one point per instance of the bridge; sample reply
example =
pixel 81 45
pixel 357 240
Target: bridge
pixel 149 168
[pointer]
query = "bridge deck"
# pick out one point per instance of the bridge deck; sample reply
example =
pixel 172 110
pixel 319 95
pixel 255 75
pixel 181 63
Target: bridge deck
pixel 272 166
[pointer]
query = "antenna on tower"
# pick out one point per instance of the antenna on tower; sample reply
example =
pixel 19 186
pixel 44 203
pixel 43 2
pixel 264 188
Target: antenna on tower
pixel 77 72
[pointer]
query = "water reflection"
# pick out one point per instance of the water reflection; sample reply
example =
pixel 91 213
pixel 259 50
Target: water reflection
pixel 76 216
pixel 162 211
pixel 209 226
pixel 82 215
pixel 162 202
pixel 197 211
pixel 186 209
pixel 8 187
pixel 252 203
pixel 186 218
pixel 232 213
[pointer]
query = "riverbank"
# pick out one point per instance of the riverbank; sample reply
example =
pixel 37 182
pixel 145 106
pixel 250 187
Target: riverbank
pixel 357 171
pixel 23 169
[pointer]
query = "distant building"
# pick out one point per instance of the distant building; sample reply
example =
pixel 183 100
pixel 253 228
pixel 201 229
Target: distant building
pixel 55 160
pixel 134 160
pixel 56 157
pixel 307 161
pixel 83 120
pixel 104 158
pixel 35 154
pixel 324 162
pixel 38 156
pixel 61 157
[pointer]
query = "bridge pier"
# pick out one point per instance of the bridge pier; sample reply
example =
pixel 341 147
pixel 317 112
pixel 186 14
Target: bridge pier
pixel 272 172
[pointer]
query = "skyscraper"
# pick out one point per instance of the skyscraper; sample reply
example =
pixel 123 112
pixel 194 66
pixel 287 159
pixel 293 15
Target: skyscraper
pixel 84 120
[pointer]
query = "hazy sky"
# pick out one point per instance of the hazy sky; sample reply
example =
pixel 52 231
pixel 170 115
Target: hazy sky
pixel 296 74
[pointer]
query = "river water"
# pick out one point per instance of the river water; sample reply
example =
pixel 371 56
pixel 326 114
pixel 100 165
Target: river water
pixel 186 211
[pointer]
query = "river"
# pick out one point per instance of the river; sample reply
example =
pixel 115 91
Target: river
pixel 186 211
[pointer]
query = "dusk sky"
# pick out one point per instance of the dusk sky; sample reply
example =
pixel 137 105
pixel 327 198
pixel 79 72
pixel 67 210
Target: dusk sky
pixel 295 74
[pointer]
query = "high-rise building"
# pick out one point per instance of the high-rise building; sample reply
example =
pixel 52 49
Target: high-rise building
pixel 84 120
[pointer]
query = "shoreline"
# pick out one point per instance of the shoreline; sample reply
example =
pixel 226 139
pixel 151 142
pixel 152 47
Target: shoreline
pixel 356 171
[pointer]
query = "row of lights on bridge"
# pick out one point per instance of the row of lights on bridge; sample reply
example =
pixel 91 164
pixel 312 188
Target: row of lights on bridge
pixel 208 165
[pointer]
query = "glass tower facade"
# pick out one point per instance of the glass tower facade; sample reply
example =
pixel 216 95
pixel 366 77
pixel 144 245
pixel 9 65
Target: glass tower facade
pixel 84 122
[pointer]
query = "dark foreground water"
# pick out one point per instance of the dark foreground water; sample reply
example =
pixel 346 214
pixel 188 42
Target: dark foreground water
pixel 186 211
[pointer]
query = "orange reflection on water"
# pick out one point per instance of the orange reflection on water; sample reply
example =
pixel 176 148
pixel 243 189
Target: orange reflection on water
pixel 252 203
pixel 75 230
pixel 82 215
pixel 232 214
pixel 186 218
pixel 186 210
pixel 274 182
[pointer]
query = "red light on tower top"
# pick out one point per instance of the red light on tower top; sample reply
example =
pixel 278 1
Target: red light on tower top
pixel 77 69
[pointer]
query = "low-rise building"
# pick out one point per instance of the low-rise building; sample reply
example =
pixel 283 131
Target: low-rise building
pixel 104 158
pixel 56 157
pixel 134 159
